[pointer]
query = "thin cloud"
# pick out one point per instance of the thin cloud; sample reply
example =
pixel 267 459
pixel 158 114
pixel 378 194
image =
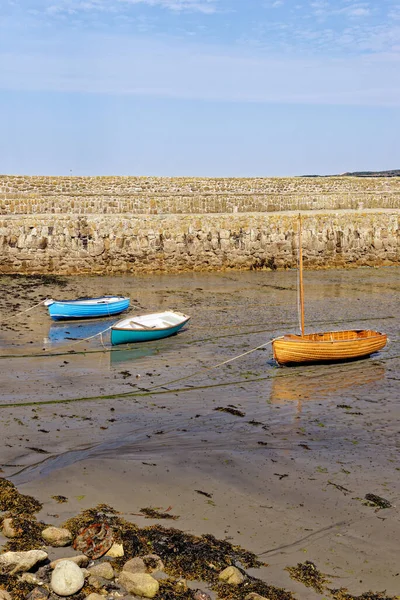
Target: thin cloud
pixel 77 6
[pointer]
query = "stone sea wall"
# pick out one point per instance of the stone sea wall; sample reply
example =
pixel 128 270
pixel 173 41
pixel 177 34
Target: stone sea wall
pixel 99 244
pixel 68 225
pixel 163 195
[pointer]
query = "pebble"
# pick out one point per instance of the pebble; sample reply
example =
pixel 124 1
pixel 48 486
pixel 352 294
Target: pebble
pixel 139 584
pixel 9 531
pixel 103 569
pixel 81 560
pixel 5 595
pixel 231 575
pixel 135 565
pixel 116 551
pixel 56 536
pixel 38 593
pixel 31 578
pixel 67 578
pixel 95 582
pixel 200 595
pixel 17 562
pixel 255 596
pixel 94 596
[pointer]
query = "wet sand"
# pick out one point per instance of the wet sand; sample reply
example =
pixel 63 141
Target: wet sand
pixel 287 479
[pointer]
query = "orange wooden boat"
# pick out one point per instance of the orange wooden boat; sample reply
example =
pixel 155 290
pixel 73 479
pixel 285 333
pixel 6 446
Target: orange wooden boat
pixel 331 346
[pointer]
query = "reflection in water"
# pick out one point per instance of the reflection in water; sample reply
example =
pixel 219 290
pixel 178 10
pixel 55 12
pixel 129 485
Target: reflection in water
pixel 118 356
pixel 59 333
pixel 305 386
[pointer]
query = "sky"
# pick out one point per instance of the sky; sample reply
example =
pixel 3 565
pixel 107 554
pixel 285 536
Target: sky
pixel 210 88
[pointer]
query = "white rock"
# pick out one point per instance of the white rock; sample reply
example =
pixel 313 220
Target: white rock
pixel 4 595
pixel 9 530
pixel 56 536
pixel 17 562
pixel 139 584
pixel 135 565
pixel 103 569
pixel 81 560
pixel 94 596
pixel 116 551
pixel 67 578
pixel 231 575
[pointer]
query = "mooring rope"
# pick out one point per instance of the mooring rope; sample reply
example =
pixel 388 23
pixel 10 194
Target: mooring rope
pixel 21 312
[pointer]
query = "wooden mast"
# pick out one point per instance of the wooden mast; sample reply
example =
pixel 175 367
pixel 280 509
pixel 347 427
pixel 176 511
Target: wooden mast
pixel 301 278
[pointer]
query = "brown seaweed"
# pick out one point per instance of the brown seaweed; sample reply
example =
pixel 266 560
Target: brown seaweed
pixel 308 574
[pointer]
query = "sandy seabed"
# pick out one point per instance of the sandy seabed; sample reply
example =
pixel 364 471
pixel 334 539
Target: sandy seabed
pixel 285 471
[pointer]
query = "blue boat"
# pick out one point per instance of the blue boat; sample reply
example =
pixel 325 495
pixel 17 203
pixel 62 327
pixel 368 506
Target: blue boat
pixel 86 308
pixel 145 328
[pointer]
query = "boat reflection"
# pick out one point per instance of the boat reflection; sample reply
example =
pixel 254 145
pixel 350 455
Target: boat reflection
pixel 118 356
pixel 60 333
pixel 311 386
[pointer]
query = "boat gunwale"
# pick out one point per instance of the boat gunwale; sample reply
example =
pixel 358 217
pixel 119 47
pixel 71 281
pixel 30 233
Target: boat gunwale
pixel 95 301
pixel 151 329
pixel 296 339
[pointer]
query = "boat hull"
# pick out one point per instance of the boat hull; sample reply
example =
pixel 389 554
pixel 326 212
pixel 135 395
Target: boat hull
pixel 92 308
pixel 122 333
pixel 332 346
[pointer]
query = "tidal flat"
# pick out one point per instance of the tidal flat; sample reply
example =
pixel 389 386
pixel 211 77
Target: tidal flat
pixel 278 460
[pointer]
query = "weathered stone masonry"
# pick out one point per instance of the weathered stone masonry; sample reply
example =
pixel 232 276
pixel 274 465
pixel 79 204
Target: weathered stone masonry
pixel 66 239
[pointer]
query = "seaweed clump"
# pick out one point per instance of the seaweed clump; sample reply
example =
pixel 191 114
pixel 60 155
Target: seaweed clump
pixel 102 513
pixel 308 574
pixel 186 555
pixel 342 594
pixel 28 534
pixel 153 513
pixel 251 586
pixel 14 502
pixel 13 584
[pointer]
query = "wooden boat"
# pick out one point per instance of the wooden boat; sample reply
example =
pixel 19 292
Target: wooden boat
pixel 86 308
pixel 145 328
pixel 331 346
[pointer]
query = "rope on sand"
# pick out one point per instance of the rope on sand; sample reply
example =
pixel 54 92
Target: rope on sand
pixel 21 312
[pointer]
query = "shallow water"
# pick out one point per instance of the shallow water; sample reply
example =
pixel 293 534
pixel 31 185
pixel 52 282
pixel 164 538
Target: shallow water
pixel 302 431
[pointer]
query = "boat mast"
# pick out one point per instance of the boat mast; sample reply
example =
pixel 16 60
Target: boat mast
pixel 301 278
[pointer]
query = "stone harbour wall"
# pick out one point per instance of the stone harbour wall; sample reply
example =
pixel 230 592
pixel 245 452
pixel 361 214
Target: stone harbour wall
pixel 112 244
pixel 22 195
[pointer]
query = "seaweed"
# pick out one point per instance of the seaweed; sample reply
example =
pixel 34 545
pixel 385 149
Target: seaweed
pixel 13 584
pixel 374 500
pixel 231 411
pixel 153 513
pixel 29 534
pixel 17 504
pixel 251 586
pixel 102 513
pixel 342 594
pixel 308 574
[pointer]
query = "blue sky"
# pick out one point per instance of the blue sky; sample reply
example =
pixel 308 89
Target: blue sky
pixel 199 87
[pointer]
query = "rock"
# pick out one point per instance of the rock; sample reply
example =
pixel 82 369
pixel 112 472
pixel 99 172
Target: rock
pixel 95 596
pixel 200 595
pixel 44 573
pixel 139 584
pixel 95 582
pixel 81 560
pixel 9 529
pixel 116 551
pixel 153 563
pixel 31 578
pixel 17 562
pixel 57 537
pixel 135 565
pixel 67 578
pixel 231 575
pixel 4 595
pixel 103 569
pixel 38 593
pixel 160 575
pixel 255 596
